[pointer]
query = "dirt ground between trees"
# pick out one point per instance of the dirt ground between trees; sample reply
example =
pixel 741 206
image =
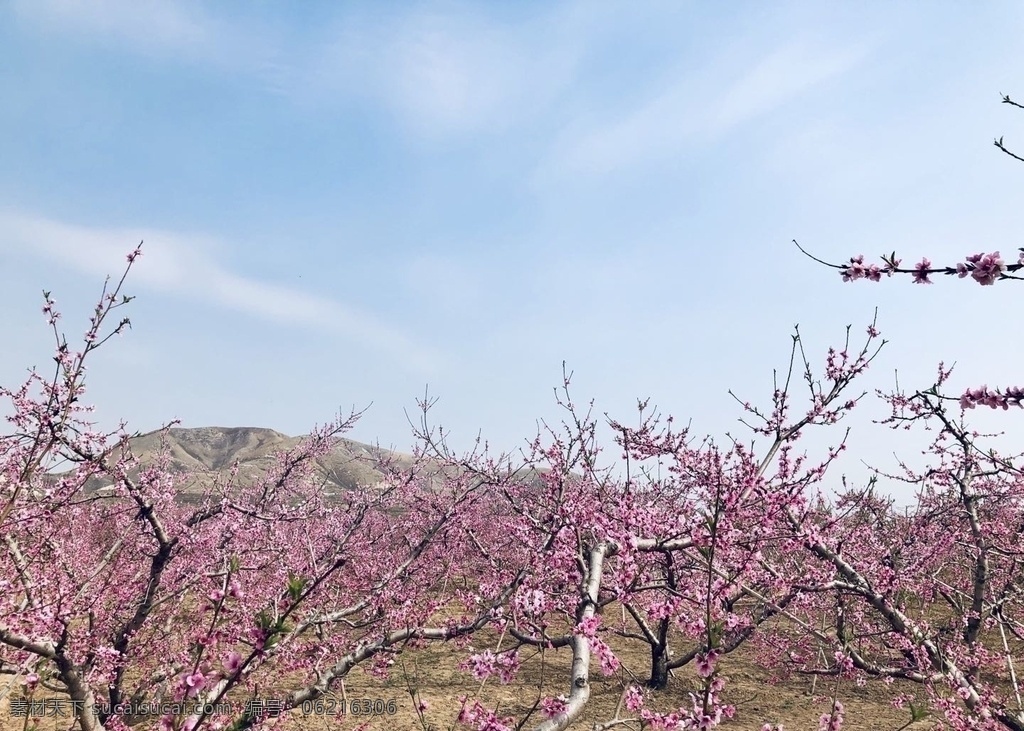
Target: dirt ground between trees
pixel 440 683
pixel 434 673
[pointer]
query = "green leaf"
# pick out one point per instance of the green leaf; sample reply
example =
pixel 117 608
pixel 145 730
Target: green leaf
pixel 264 620
pixel 295 586
pixel 716 633
pixel 917 714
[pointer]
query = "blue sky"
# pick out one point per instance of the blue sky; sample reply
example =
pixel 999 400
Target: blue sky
pixel 346 203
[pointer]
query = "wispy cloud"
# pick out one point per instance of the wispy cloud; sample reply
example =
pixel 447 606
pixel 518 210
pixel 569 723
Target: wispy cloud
pixel 446 72
pixel 143 24
pixel 692 111
pixel 185 266
pixel 170 30
pixel 440 70
pixel 779 77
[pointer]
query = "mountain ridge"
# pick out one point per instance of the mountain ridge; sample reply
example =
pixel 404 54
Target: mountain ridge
pixel 200 454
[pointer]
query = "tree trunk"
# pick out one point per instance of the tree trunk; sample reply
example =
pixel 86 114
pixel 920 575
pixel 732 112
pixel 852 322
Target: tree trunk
pixel 659 667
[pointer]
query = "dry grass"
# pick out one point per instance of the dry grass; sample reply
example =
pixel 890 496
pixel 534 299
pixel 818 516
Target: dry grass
pixel 432 671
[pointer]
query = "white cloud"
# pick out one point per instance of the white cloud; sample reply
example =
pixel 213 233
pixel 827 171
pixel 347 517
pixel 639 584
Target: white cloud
pixel 691 111
pixel 185 266
pixel 448 73
pixel 442 71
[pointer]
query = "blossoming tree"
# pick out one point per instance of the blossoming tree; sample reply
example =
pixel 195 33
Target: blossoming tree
pixel 125 598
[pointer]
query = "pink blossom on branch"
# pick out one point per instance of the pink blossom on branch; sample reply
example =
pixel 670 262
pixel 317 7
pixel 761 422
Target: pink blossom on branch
pixel 705 542
pixel 984 268
pixel 634 698
pixel 1012 396
pixel 921 271
pixel 832 721
pixel 92 580
pixel 479 718
pixel 552 707
pixel 706 664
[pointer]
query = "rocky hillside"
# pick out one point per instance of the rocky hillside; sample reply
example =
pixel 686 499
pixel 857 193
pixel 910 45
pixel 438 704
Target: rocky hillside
pixel 205 452
pixel 199 455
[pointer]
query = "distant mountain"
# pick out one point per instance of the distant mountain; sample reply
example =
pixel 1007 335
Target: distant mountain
pixel 202 454
pixel 205 452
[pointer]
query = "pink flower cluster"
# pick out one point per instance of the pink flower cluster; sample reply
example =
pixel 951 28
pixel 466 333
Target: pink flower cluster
pixel 634 698
pixel 832 721
pixel 705 664
pixel 1013 396
pixel 588 627
pixel 479 718
pixel 706 710
pixel 531 602
pixel 192 683
pixel 843 661
pixel 921 270
pixel 983 268
pixel 552 707
pixel 487 663
pixel 857 269
pixel 605 657
pixel 720 541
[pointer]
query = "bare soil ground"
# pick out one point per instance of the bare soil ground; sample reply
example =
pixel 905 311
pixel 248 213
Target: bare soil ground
pixel 434 674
